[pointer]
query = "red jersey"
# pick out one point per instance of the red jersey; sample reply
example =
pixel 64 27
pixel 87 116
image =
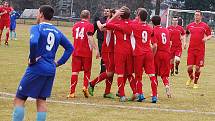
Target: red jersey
pixel 6 16
pixel 176 33
pixel 142 33
pixel 80 32
pixel 108 43
pixel 122 32
pixel 161 36
pixel 197 33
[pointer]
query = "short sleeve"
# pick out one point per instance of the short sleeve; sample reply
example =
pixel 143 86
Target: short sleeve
pixel 207 30
pixel 90 30
pixel 182 31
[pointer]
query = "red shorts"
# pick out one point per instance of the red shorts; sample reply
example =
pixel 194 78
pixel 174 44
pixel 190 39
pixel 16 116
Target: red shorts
pixel 147 61
pixel 123 63
pixel 108 58
pixel 81 64
pixel 162 64
pixel 176 51
pixel 196 57
pixel 4 23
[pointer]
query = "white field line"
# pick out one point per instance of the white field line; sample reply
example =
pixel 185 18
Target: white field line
pixel 9 96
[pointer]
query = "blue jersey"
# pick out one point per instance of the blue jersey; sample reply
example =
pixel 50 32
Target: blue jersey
pixel 13 16
pixel 44 41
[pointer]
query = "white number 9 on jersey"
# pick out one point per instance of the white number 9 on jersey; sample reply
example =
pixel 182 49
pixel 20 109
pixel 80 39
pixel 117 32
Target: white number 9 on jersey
pixel 163 36
pixel 144 36
pixel 50 41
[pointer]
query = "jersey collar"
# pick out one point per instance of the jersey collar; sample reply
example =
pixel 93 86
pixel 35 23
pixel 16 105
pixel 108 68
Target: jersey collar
pixel 45 23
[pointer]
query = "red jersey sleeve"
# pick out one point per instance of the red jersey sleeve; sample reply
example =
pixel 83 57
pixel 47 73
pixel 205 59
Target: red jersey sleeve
pixel 90 30
pixel 182 31
pixel 207 30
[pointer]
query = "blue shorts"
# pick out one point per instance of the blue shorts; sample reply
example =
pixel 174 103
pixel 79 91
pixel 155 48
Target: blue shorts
pixel 35 86
pixel 12 26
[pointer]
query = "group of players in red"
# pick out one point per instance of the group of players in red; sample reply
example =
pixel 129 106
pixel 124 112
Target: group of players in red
pixel 5 11
pixel 132 47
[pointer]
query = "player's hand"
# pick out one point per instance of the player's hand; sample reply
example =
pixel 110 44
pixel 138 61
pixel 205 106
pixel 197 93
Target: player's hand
pixel 204 39
pixel 185 46
pixel 33 61
pixel 57 65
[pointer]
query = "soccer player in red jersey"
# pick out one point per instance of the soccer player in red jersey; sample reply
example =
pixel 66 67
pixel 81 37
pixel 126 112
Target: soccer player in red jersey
pixel 199 33
pixel 107 54
pixel 161 48
pixel 177 36
pixel 5 20
pixel 143 56
pixel 120 24
pixel 82 57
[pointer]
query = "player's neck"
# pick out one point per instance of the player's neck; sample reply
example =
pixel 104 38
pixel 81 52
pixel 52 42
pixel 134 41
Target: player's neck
pixel 143 22
pixel 175 25
pixel 44 21
pixel 197 22
pixel 84 19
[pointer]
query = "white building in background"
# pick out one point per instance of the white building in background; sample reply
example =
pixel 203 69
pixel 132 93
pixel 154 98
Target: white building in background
pixel 63 7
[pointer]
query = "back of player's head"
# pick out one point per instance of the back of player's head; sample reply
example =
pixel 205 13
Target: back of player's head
pixel 126 13
pixel 112 12
pixel 156 20
pixel 142 13
pixel 47 11
pixel 85 14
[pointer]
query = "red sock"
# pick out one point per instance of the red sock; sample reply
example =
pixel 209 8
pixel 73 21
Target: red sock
pixel 125 78
pixel 177 64
pixel 165 80
pixel 172 66
pixel 190 72
pixel 138 78
pixel 132 82
pixel 73 83
pixel 154 84
pixel 139 87
pixel 7 37
pixel 86 79
pixel 101 77
pixel 120 82
pixel 197 74
pixel 108 83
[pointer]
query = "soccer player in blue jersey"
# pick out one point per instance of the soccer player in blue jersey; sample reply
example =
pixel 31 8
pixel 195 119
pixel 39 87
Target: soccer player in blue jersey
pixel 39 76
pixel 13 16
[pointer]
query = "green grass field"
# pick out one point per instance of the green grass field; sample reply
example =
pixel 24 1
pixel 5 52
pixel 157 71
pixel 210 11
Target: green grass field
pixel 186 104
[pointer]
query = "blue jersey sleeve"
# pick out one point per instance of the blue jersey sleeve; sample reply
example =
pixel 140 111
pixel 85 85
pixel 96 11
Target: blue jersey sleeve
pixel 68 50
pixel 34 38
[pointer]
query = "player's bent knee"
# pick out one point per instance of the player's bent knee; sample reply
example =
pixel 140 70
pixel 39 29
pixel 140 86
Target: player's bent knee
pixel 41 105
pixel 151 75
pixel 110 74
pixel 75 73
pixel 120 75
pixel 19 102
pixel 198 69
pixel 177 58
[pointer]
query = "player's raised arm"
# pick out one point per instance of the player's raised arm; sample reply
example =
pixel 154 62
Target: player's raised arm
pixel 34 37
pixel 65 43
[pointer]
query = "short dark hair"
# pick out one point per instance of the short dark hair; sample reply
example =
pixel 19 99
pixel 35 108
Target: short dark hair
pixel 143 14
pixel 48 11
pixel 126 11
pixel 199 11
pixel 156 20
